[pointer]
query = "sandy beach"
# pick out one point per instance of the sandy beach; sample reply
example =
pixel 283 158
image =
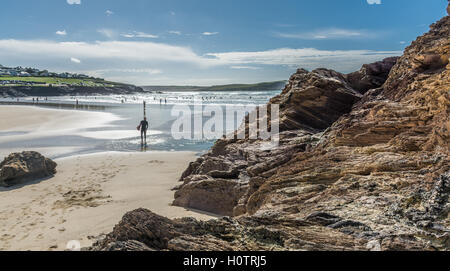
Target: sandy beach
pixel 87 197
pixel 89 194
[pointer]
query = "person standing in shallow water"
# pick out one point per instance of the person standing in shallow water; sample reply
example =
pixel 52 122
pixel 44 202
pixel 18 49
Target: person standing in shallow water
pixel 143 127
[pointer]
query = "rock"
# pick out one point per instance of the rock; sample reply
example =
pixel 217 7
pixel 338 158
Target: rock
pixel 352 171
pixel 23 167
pixel 218 196
pixel 131 245
pixel 371 76
pixel 350 226
pixel 374 245
pixel 323 218
pixel 312 101
pixel 309 104
pixel 220 181
pixel 142 230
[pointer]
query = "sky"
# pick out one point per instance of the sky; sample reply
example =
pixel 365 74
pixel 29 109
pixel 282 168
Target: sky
pixel 207 42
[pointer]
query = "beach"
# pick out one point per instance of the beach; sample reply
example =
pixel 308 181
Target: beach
pixel 90 193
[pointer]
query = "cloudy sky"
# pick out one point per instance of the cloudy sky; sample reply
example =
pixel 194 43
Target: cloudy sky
pixel 203 42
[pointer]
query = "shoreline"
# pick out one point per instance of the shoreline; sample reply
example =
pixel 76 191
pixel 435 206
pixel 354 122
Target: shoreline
pixel 20 125
pixel 53 105
pixel 90 193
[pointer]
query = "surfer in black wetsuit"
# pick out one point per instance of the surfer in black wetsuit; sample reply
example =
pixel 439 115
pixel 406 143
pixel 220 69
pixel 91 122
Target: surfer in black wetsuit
pixel 143 127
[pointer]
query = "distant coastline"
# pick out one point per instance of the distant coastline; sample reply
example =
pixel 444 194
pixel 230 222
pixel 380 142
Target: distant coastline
pixel 47 91
pixel 28 82
pixel 265 86
pixel 124 89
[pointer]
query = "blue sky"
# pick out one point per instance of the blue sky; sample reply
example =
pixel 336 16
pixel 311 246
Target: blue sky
pixel 206 42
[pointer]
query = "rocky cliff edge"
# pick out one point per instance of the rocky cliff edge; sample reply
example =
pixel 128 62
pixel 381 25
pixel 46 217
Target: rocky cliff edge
pixel 363 164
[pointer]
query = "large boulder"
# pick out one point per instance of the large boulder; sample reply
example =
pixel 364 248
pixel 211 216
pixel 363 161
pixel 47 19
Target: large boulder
pixel 26 166
pixel 372 75
pixel 312 101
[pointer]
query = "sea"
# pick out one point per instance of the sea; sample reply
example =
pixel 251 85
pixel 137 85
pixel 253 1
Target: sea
pixel 121 135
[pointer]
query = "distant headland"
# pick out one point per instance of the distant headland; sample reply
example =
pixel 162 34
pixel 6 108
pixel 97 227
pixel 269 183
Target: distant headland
pixel 266 86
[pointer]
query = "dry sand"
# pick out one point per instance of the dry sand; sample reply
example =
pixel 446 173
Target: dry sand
pixel 88 196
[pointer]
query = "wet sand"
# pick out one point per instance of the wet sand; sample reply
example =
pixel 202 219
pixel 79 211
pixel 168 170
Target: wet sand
pixel 25 123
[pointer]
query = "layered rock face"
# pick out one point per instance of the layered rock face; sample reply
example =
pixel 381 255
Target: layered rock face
pixel 23 167
pixel 222 181
pixel 359 167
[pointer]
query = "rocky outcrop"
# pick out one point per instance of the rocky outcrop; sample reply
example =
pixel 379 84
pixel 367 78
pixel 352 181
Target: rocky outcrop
pixel 222 181
pixel 312 101
pixel 145 231
pixel 23 167
pixel 370 173
pixel 371 76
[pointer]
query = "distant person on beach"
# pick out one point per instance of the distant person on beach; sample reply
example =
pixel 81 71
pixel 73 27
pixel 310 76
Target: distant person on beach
pixel 143 127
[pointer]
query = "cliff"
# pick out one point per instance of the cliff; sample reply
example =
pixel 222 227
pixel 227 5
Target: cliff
pixel 363 164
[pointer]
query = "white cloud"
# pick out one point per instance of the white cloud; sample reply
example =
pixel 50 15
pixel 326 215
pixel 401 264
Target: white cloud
pixel 118 71
pixel 330 33
pixel 74 2
pixel 151 51
pixel 131 51
pixel 209 33
pixel 109 12
pixel 136 34
pixel 109 33
pixel 175 32
pixel 61 33
pixel 372 2
pixel 310 58
pixel 245 68
pixel 75 60
pixel 143 62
